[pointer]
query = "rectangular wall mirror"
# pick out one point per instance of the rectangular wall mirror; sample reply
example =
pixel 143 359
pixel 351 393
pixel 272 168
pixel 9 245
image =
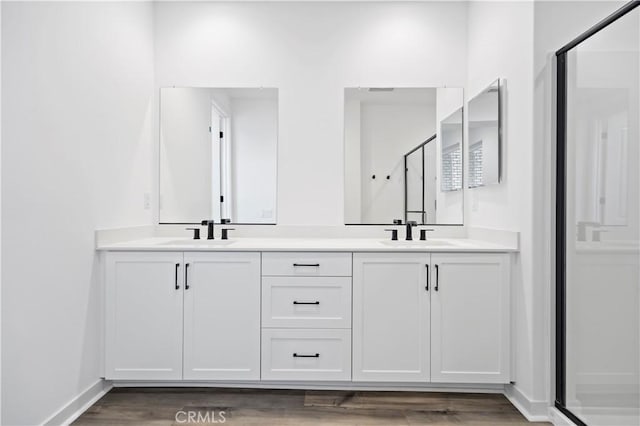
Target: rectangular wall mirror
pixel 401 145
pixel 485 137
pixel 218 153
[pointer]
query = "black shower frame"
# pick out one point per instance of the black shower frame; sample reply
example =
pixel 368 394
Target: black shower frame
pixel 561 220
pixel 406 183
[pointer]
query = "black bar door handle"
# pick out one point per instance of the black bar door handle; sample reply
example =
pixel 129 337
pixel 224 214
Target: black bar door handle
pixel 437 278
pixel 295 355
pixel 295 302
pixel 317 265
pixel 186 276
pixel 177 285
pixel 427 288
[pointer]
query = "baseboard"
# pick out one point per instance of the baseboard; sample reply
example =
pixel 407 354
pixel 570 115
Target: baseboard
pixel 558 419
pixel 355 386
pixel 534 411
pixel 79 404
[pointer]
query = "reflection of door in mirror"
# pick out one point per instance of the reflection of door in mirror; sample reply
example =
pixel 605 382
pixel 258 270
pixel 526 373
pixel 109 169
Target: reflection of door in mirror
pixel 218 151
pixel 390 169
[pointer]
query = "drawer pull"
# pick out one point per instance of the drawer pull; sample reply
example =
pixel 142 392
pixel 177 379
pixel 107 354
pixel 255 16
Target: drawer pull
pixel 317 265
pixel 295 302
pixel 295 355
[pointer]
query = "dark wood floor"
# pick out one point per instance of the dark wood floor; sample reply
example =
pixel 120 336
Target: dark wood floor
pixel 159 406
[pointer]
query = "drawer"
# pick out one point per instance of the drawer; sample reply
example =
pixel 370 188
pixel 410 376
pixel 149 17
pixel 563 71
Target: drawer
pixel 307 264
pixel 306 354
pixel 306 302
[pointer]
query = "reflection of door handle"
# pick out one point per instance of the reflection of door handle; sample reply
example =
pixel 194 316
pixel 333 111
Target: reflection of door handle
pixel 581 234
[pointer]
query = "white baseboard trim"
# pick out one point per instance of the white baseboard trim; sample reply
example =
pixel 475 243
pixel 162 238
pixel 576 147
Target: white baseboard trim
pixel 78 405
pixel 356 386
pixel 534 411
pixel 558 419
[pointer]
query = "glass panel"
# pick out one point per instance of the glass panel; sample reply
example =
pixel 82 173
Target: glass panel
pixel 414 185
pixel 603 215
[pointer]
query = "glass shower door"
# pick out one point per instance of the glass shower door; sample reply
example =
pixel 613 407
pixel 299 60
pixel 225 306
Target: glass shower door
pixel 602 226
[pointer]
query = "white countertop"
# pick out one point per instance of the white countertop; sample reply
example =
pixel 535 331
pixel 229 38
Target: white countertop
pixel 444 245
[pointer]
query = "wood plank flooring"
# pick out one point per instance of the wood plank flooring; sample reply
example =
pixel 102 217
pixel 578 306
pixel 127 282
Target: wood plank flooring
pixel 159 406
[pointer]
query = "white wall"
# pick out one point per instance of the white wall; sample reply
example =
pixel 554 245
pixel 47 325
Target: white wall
pixel 311 52
pixel 254 133
pixel 77 97
pixel 500 44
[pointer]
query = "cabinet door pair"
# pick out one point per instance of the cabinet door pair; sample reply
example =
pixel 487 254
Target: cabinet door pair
pixel 440 318
pixel 175 315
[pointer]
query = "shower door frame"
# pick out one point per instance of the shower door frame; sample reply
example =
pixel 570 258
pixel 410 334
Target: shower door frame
pixel 406 183
pixel 561 219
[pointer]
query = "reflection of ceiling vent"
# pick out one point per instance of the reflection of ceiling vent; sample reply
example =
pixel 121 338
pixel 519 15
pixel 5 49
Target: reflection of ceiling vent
pixel 381 89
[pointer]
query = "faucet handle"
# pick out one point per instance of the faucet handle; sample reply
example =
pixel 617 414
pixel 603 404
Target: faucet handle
pixel 394 234
pixel 196 232
pixel 423 234
pixel 412 223
pixel 225 231
pixel 207 222
pixel 397 221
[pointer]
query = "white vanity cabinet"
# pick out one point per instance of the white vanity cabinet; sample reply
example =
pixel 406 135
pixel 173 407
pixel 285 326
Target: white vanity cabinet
pixel 144 302
pixel 222 316
pixel 391 317
pixel 441 318
pixel 306 316
pixel 192 316
pixel 394 317
pixel 470 326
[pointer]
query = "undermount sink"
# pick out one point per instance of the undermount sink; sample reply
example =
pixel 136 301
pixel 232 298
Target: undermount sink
pixel 192 242
pixel 416 243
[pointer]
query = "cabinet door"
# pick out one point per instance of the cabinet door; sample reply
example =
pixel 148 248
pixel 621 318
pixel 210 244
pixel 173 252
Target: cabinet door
pixel 143 316
pixel 222 316
pixel 390 317
pixel 470 318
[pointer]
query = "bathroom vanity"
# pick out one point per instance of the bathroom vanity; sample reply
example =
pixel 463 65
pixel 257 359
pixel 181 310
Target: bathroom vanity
pixel 318 312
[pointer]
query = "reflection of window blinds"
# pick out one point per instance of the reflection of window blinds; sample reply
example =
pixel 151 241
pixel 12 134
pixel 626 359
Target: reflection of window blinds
pixel 451 168
pixel 475 164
